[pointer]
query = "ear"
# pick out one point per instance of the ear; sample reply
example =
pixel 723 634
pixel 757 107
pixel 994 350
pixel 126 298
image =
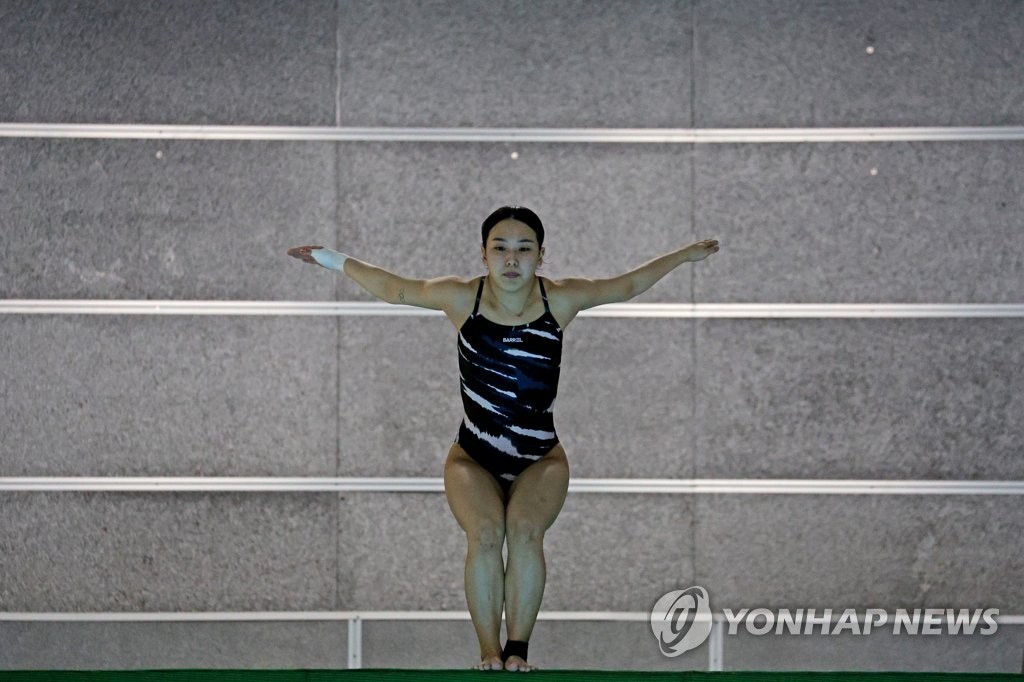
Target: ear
pixel 483 253
pixel 540 261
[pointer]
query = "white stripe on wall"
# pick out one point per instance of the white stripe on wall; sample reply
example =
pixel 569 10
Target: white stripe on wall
pixel 241 616
pixel 629 310
pixel 666 486
pixel 549 135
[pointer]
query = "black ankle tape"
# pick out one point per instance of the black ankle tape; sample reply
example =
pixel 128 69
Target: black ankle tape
pixel 514 648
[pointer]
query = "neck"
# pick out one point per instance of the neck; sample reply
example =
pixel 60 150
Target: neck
pixel 513 303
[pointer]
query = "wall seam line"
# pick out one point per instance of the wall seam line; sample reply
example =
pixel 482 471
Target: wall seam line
pixel 694 469
pixel 335 154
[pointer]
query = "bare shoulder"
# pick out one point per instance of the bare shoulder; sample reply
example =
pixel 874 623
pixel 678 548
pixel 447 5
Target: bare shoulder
pixel 581 293
pixel 454 295
pixel 569 290
pixel 565 297
pixel 567 286
pixel 452 287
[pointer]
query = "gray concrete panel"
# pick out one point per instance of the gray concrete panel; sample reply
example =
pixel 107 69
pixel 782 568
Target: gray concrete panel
pixel 154 646
pixel 167 552
pixel 399 406
pixel 405 551
pixel 416 209
pixel 168 396
pixel 546 64
pixel 607 646
pixel 938 223
pixel 163 219
pixel 778 63
pixel 423 645
pixel 890 399
pixel 452 645
pixel 251 63
pixel 399 552
pixel 619 552
pixel 627 407
pixel 999 652
pixel 557 645
pixel 554 645
pixel 859 552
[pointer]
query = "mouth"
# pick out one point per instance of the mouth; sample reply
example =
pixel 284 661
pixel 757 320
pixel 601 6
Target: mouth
pixel 511 275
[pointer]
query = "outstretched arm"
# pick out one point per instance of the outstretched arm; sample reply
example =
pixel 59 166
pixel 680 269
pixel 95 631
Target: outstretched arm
pixel 436 294
pixel 587 293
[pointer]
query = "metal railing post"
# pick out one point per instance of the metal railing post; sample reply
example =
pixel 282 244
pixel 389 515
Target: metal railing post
pixel 355 643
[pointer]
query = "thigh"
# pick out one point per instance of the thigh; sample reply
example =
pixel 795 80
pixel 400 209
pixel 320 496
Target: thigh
pixel 538 493
pixel 474 496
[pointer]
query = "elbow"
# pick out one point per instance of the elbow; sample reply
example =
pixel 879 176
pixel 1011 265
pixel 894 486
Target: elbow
pixel 633 289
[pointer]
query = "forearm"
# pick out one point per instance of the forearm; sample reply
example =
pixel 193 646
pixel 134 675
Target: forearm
pixel 644 277
pixel 385 285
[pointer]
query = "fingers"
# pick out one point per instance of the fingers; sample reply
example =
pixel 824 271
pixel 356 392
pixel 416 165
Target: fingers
pixel 703 249
pixel 304 253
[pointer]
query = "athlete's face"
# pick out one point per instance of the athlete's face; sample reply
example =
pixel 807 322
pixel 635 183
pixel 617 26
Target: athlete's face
pixel 512 254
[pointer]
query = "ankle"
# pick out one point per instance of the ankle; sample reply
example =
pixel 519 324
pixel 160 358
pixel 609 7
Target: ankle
pixel 515 648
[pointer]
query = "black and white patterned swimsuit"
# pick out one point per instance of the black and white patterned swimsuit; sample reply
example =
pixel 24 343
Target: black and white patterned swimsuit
pixel 509 379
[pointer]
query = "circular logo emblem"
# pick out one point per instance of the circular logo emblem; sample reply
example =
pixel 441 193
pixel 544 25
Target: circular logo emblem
pixel 670 616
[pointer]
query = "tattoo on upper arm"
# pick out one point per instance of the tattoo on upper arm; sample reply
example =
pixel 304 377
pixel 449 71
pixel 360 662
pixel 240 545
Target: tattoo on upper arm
pixel 401 295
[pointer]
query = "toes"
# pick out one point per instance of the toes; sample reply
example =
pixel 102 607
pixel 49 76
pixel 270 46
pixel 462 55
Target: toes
pixel 516 664
pixel 490 664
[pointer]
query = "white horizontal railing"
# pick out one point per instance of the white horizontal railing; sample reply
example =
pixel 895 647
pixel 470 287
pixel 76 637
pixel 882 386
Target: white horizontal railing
pixel 283 616
pixel 355 620
pixel 245 616
pixel 662 486
pixel 626 310
pixel 549 135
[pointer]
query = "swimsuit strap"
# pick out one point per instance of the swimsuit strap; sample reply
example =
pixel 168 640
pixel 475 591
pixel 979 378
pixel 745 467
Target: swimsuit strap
pixel 543 294
pixel 479 290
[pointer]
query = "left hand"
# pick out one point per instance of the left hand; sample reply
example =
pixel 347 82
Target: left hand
pixel 703 249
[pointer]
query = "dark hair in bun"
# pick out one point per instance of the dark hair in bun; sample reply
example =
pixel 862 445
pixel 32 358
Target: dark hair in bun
pixel 520 213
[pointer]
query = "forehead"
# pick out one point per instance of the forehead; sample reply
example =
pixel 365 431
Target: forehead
pixel 511 229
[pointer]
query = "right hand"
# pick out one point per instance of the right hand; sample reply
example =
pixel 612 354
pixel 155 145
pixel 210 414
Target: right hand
pixel 702 250
pixel 304 253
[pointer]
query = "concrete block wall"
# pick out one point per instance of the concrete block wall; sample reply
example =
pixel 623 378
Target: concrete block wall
pixel 899 222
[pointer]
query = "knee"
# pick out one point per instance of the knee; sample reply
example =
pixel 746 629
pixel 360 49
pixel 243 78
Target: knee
pixel 487 535
pixel 525 531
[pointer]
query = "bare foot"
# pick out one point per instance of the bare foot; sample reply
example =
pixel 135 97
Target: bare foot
pixel 490 662
pixel 518 665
